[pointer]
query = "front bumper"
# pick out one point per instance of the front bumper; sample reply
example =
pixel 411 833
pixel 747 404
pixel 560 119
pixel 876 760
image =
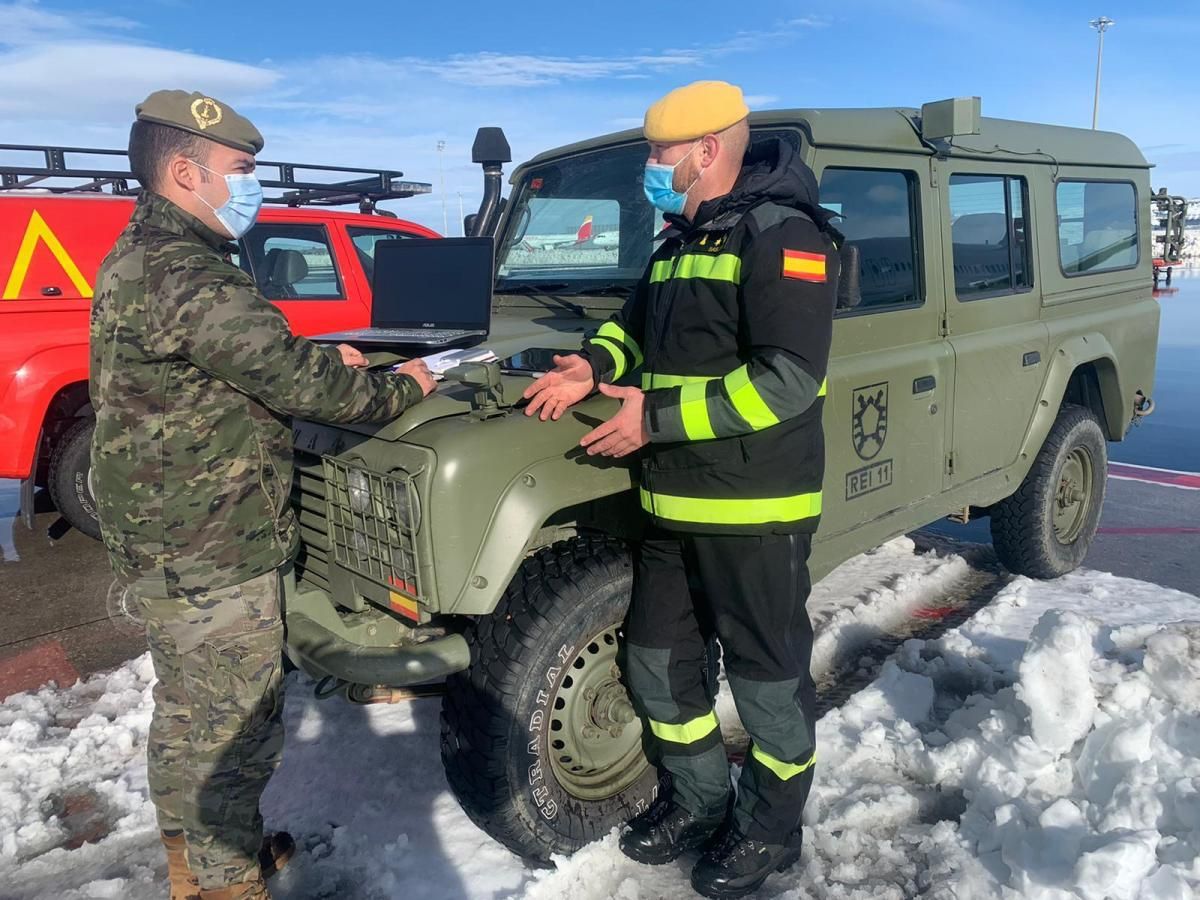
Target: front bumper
pixel 370 650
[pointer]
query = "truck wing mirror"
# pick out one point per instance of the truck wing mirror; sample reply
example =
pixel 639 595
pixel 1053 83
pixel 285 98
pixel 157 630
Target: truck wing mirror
pixel 849 289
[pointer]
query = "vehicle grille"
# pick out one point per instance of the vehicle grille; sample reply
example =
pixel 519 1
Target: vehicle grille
pixel 372 522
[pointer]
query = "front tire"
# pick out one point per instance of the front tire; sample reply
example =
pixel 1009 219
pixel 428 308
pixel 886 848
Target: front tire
pixel 1045 529
pixel 539 740
pixel 69 479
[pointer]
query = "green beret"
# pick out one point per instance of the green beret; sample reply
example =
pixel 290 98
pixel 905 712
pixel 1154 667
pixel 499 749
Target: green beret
pixel 201 115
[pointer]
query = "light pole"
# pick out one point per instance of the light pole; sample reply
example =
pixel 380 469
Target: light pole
pixel 462 219
pixel 441 146
pixel 1101 25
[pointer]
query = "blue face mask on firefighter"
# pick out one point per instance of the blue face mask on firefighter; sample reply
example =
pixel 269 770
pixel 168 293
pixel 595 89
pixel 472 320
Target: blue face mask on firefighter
pixel 237 213
pixel 659 184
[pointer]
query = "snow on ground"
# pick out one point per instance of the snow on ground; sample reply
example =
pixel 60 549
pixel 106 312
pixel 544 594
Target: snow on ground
pixel 1048 748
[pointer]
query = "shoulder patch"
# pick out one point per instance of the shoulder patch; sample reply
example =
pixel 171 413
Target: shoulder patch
pixel 804 266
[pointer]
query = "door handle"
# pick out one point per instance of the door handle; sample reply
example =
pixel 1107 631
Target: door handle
pixel 1032 358
pixel 924 385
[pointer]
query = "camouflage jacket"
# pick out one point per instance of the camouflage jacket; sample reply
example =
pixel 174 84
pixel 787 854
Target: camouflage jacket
pixel 194 376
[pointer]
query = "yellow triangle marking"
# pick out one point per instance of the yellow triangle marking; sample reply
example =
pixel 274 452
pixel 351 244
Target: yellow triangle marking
pixel 38 230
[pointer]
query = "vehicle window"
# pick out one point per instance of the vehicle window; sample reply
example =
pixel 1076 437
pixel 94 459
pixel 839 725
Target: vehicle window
pixel 366 239
pixel 582 223
pixel 989 235
pixel 291 262
pixel 878 215
pixel 1097 226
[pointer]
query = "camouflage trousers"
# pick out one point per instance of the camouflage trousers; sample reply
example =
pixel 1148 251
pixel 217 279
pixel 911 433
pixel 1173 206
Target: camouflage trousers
pixel 217 733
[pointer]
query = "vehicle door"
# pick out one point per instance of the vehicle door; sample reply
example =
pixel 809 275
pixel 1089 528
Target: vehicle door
pixel 890 370
pixel 993 311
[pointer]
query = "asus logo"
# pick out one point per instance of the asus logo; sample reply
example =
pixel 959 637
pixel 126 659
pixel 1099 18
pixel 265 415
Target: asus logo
pixel 428 324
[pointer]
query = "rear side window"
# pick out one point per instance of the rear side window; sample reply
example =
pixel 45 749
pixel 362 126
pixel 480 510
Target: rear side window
pixel 877 209
pixel 989 236
pixel 366 239
pixel 291 262
pixel 1097 226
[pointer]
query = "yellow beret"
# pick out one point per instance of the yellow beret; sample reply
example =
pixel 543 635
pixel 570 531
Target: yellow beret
pixel 694 110
pixel 201 115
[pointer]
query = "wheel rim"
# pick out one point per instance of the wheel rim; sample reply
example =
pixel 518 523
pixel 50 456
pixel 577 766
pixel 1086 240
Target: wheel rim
pixel 595 735
pixel 1073 497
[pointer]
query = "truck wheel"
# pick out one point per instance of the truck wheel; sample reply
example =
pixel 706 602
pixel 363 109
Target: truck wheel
pixel 1044 530
pixel 69 479
pixel 539 739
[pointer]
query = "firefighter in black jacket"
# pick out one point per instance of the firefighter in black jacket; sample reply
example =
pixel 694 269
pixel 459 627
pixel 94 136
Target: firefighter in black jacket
pixel 731 326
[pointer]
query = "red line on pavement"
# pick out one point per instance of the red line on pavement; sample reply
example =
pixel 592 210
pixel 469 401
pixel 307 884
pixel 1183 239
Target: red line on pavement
pixel 30 669
pixel 1187 480
pixel 1160 530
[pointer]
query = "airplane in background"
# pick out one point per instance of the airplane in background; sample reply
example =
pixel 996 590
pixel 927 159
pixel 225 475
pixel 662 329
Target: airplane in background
pixel 586 237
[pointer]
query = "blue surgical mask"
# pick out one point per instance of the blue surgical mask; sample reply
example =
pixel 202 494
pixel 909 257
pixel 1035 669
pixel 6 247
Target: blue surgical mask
pixel 237 213
pixel 659 184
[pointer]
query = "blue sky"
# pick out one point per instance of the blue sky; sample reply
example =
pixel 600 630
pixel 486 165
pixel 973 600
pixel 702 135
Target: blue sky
pixel 369 83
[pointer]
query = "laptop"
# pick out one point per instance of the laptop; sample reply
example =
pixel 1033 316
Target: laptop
pixel 429 292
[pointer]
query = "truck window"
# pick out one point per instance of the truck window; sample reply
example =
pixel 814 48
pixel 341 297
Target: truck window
pixel 291 262
pixel 1097 226
pixel 878 215
pixel 365 240
pixel 989 235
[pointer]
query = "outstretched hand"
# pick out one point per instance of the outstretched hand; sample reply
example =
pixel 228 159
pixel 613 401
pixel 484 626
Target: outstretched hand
pixel 565 385
pixel 623 433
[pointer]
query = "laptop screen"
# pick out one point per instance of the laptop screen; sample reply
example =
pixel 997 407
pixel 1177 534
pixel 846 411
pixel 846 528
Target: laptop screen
pixel 433 283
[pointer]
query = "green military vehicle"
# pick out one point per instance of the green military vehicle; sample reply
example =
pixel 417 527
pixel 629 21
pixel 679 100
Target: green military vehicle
pixel 995 329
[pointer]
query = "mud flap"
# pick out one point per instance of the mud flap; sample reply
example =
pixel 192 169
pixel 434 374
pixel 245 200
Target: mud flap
pixel 26 502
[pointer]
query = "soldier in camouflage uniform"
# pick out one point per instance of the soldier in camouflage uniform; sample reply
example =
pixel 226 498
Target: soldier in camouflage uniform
pixel 194 376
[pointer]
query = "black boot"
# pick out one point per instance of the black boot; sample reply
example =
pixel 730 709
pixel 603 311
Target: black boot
pixel 666 830
pixel 738 866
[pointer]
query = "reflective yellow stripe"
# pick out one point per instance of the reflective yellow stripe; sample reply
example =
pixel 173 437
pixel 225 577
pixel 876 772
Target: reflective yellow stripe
pixel 652 380
pixel 748 401
pixel 613 350
pixel 723 267
pixel 783 769
pixel 824 388
pixel 732 512
pixel 693 405
pixel 615 332
pixel 688 732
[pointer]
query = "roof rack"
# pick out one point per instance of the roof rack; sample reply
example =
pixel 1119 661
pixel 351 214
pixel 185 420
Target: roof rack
pixel 371 186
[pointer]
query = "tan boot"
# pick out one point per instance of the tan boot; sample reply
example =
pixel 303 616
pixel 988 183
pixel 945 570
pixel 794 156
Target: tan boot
pixel 276 850
pixel 184 885
pixel 255 889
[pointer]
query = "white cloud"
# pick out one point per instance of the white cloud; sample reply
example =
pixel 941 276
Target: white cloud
pixel 758 101
pixel 25 23
pixel 515 70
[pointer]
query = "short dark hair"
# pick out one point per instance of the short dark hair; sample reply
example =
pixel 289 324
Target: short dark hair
pixel 151 145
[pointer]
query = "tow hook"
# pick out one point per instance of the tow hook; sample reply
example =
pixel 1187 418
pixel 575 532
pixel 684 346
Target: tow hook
pixel 1142 406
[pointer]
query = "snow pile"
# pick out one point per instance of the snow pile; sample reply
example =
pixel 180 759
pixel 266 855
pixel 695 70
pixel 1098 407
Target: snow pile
pixel 1071 771
pixel 1048 748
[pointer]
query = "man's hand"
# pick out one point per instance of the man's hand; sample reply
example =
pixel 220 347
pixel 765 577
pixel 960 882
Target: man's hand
pixel 623 433
pixel 352 357
pixel 568 383
pixel 418 370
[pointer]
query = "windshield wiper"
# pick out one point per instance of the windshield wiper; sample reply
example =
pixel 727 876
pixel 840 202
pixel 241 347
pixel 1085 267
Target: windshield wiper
pixel 608 290
pixel 535 289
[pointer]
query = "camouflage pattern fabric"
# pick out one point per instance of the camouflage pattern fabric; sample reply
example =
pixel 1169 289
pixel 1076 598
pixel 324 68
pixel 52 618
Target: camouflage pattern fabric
pixel 193 378
pixel 216 734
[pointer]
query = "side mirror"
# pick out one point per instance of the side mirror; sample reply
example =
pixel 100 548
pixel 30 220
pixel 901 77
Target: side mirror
pixel 469 223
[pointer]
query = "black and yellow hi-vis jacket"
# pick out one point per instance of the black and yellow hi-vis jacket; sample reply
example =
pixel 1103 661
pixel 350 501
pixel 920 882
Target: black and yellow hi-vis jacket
pixel 731 326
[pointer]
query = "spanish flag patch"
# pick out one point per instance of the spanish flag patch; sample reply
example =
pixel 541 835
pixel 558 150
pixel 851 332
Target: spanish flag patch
pixel 804 266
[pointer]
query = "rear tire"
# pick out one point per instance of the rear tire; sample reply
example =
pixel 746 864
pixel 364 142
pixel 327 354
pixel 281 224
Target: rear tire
pixel 1044 530
pixel 67 481
pixel 514 752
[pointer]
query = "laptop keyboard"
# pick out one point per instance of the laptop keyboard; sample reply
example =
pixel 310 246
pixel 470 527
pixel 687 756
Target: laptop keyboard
pixel 420 334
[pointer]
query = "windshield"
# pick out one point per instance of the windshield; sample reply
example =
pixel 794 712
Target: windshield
pixel 582 224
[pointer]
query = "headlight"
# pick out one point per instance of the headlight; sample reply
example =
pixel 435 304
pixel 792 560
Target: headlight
pixel 360 490
pixel 407 505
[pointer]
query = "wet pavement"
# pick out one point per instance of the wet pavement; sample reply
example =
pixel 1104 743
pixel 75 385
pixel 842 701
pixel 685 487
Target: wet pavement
pixel 53 602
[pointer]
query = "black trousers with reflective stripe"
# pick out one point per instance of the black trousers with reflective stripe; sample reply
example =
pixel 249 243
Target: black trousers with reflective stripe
pixel 750 591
